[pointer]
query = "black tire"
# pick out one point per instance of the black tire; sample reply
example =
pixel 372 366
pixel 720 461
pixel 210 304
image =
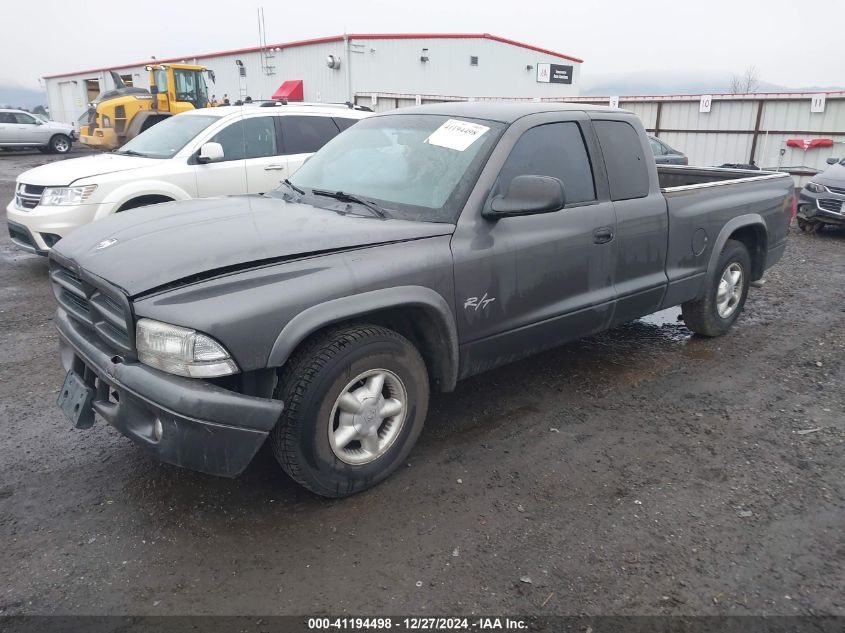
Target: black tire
pixel 702 316
pixel 151 121
pixel 810 228
pixel 60 144
pixel 310 384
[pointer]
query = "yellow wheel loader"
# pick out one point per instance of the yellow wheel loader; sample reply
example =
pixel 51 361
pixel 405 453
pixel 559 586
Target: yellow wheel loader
pixel 119 115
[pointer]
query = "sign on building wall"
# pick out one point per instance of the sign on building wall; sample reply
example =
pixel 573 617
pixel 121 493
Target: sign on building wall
pixel 554 74
pixel 705 103
pixel 614 102
pixel 817 102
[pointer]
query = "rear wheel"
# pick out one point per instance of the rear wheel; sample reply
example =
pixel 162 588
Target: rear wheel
pixel 725 294
pixel 356 398
pixel 60 144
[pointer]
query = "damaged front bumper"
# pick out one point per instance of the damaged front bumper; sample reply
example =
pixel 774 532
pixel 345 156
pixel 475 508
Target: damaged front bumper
pixel 828 208
pixel 182 421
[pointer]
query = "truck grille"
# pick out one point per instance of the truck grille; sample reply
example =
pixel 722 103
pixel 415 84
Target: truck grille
pixel 838 190
pixel 28 196
pixel 102 311
pixel 830 205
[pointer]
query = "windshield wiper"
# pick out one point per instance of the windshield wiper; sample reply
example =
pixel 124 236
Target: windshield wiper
pixel 348 197
pixel 293 187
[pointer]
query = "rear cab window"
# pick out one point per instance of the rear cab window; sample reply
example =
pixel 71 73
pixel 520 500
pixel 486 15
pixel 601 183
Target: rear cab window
pixel 552 149
pixel 627 168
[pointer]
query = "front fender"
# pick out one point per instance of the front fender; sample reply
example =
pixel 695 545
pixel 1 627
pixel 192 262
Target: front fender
pixel 350 307
pixel 131 190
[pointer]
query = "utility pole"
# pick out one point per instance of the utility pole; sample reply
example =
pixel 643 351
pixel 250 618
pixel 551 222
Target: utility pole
pixel 348 44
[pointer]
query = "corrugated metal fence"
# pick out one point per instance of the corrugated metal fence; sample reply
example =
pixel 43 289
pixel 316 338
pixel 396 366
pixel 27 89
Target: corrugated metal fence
pixel 738 128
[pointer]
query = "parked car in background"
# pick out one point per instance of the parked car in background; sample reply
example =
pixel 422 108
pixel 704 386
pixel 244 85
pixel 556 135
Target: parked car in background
pixel 822 200
pixel 196 154
pixel 665 155
pixel 21 130
pixel 422 246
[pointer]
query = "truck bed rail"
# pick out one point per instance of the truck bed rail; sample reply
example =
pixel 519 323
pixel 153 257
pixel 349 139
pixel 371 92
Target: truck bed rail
pixel 681 177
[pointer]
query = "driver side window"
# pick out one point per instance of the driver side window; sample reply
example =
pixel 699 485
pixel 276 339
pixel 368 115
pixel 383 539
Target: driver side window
pixel 24 118
pixel 248 138
pixel 556 150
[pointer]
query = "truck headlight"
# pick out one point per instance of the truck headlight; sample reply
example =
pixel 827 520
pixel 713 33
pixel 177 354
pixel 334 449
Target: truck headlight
pixel 63 196
pixel 181 351
pixel 815 187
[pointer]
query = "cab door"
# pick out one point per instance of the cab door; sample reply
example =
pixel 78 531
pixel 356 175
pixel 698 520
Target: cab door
pixel 642 216
pixel 27 129
pixel 528 283
pixel 251 161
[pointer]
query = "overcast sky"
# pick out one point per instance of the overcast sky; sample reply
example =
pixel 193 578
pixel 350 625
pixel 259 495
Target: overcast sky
pixel 791 43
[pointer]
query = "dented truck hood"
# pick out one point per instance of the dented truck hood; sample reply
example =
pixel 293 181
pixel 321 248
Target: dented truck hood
pixel 180 242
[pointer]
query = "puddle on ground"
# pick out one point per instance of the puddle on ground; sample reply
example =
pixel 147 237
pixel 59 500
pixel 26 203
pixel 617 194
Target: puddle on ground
pixel 669 316
pixel 665 325
pixel 668 325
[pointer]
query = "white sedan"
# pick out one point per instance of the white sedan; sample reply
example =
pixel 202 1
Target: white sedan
pixel 196 154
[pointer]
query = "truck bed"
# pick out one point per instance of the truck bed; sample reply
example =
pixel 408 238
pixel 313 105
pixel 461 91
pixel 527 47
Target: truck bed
pixel 704 201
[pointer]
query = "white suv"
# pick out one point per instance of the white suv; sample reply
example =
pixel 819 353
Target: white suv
pixel 196 154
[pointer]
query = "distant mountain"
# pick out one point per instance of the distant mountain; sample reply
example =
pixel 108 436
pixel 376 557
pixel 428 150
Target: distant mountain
pixel 17 97
pixel 675 83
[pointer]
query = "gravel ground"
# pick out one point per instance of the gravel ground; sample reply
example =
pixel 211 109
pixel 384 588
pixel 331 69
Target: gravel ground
pixel 642 471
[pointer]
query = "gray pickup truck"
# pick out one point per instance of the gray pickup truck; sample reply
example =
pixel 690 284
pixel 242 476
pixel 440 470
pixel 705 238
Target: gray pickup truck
pixel 416 249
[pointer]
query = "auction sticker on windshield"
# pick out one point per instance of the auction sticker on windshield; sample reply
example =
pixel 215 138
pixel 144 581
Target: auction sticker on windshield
pixel 455 134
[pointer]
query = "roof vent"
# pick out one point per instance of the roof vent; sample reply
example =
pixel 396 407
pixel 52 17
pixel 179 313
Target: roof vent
pixel 473 61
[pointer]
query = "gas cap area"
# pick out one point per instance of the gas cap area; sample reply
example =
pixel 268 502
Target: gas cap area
pixel 699 241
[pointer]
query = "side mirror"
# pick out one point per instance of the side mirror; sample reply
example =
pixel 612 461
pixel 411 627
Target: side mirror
pixel 528 195
pixel 39 122
pixel 832 161
pixel 210 153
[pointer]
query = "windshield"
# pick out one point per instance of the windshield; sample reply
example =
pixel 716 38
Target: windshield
pixel 418 167
pixel 165 139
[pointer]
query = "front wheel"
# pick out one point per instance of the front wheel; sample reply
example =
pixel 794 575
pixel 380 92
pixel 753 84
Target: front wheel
pixel 60 144
pixel 808 227
pixel 356 398
pixel 725 294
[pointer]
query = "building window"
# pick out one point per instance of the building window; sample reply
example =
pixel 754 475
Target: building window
pixel 473 61
pixel 127 80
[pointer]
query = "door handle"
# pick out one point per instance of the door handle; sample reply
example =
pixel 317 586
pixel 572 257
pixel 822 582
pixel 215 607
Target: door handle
pixel 274 167
pixel 603 235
